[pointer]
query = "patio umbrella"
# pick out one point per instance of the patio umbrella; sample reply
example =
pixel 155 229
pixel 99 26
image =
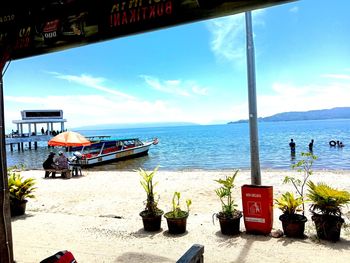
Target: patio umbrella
pixel 69 138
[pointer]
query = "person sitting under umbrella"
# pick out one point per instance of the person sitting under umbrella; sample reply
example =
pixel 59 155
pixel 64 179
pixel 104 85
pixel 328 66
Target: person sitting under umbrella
pixel 62 161
pixel 49 164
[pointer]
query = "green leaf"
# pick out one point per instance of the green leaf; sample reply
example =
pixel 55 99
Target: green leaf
pixel 326 199
pixel 288 203
pixel 225 193
pixel 148 186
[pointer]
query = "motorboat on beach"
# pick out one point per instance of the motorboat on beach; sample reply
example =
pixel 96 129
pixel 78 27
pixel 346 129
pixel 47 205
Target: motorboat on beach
pixel 104 149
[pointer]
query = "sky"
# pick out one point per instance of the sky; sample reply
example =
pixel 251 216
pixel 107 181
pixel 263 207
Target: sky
pixel 195 72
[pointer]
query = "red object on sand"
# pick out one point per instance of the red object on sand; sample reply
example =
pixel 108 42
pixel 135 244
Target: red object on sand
pixel 257 208
pixel 63 256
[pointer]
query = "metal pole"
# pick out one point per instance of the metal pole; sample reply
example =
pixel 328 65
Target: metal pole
pixel 6 249
pixel 253 122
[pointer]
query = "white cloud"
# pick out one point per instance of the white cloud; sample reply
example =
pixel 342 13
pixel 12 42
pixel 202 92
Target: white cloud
pixel 237 112
pixel 92 82
pixel 228 36
pixel 95 109
pixel 199 90
pixel 175 87
pixel 294 9
pixel 26 100
pixel 288 97
pixel 82 110
pixel 336 76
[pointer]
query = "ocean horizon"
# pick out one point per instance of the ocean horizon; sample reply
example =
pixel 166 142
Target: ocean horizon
pixel 219 147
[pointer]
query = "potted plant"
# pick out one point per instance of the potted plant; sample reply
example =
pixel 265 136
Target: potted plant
pixel 20 190
pixel 177 218
pixel 229 217
pixel 326 209
pixel 293 223
pixel 303 166
pixel 151 215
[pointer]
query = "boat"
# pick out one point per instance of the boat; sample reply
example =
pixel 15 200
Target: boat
pixel 105 150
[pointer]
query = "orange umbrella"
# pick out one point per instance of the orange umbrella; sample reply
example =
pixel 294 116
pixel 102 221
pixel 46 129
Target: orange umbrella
pixel 69 138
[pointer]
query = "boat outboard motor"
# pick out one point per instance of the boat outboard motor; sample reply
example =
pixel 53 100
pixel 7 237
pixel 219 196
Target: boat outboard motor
pixel 78 155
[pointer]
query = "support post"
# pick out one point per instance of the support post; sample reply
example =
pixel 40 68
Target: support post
pixel 253 122
pixel 6 249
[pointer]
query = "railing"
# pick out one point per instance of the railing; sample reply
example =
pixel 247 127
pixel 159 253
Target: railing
pixel 193 255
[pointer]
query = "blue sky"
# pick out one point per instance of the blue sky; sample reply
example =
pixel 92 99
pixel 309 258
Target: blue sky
pixel 194 72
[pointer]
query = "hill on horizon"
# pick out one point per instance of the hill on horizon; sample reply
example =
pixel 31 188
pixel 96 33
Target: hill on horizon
pixel 334 113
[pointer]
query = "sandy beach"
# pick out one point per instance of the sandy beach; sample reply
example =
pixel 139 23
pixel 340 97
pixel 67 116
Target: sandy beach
pixel 96 217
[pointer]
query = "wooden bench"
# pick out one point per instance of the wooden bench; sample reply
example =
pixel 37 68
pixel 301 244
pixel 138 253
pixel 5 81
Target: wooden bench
pixel 65 173
pixel 193 255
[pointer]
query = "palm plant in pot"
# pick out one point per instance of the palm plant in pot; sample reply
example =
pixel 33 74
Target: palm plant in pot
pixel 229 217
pixel 151 215
pixel 177 218
pixel 20 190
pixel 293 223
pixel 326 209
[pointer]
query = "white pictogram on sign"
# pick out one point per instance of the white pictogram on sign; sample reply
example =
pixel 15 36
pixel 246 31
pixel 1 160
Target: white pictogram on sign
pixel 254 208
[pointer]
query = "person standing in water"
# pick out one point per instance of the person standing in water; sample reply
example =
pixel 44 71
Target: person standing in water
pixel 311 145
pixel 292 147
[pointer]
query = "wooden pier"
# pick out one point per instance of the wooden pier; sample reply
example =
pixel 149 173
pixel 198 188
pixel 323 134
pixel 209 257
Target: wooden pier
pixel 30 140
pixel 31 119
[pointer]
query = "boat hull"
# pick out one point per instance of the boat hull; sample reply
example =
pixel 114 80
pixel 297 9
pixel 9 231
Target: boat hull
pixel 115 156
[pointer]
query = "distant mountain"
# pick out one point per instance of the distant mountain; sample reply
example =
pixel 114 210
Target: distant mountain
pixel 335 113
pixel 136 125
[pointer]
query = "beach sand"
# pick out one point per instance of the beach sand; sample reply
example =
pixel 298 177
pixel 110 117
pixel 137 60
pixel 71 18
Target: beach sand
pixel 96 217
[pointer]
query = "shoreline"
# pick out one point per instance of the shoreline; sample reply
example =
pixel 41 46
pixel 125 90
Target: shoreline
pixel 191 170
pixel 96 217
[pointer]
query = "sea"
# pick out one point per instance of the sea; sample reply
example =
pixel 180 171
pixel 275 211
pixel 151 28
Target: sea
pixel 219 147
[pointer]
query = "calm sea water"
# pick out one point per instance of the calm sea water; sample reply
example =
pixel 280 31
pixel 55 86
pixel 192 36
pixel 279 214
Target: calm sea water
pixel 221 147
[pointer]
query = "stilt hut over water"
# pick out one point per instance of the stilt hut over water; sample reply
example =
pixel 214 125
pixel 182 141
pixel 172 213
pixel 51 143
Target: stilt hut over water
pixel 35 126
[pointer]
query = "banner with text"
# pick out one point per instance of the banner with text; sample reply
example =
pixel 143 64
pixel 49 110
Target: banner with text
pixel 34 27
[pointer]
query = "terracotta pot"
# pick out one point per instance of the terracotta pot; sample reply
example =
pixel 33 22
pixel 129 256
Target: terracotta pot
pixel 151 222
pixel 176 225
pixel 328 227
pixel 293 225
pixel 229 225
pixel 17 207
